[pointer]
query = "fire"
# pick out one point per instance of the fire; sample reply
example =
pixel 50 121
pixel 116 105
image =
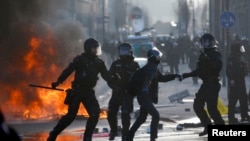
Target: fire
pixel 39 65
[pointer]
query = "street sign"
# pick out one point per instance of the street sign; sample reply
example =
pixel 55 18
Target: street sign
pixel 227 19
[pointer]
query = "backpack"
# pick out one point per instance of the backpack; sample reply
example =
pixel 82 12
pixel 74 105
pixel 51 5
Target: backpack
pixel 135 82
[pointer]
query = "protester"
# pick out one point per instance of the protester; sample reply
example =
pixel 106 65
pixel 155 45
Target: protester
pixel 208 70
pixel 147 93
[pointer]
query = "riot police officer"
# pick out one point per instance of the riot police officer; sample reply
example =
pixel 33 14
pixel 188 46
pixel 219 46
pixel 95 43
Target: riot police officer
pixel 121 70
pixel 147 93
pixel 86 66
pixel 236 71
pixel 208 70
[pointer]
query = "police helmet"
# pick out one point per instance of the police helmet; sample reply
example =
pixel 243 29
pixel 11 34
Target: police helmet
pixel 92 47
pixel 154 54
pixel 125 49
pixel 208 41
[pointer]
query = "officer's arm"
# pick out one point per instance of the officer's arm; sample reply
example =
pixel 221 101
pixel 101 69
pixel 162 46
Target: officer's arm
pixel 106 75
pixel 115 76
pixel 67 71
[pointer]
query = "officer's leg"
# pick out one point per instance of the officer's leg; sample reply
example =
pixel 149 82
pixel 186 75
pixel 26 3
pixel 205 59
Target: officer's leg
pixel 113 108
pixel 65 120
pixel 212 102
pixel 232 100
pixel 126 108
pixel 198 105
pixel 92 106
pixel 243 106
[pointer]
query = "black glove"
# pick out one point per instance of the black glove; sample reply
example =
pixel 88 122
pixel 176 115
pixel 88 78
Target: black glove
pixel 155 100
pixel 178 76
pixel 185 75
pixel 54 84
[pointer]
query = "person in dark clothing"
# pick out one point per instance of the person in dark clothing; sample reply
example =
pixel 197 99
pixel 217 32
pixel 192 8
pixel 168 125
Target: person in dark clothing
pixel 173 57
pixel 86 66
pixel 236 71
pixel 208 70
pixel 123 68
pixel 147 93
pixel 7 132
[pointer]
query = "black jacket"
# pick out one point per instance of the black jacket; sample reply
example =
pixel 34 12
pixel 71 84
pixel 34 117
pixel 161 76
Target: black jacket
pixel 208 66
pixel 122 69
pixel 236 69
pixel 150 79
pixel 86 70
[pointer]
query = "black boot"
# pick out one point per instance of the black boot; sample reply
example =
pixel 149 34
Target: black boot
pixel 112 136
pixel 204 132
pixel 233 121
pixel 87 139
pixel 153 139
pixel 245 119
pixel 129 137
pixel 124 138
pixel 52 136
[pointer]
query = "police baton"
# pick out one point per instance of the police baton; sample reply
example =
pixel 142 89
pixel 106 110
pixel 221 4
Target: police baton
pixel 45 87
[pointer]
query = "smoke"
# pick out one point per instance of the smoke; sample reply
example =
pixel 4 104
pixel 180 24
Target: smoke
pixel 25 23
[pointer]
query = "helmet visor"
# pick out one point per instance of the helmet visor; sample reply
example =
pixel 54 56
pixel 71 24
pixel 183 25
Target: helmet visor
pixel 205 44
pixel 125 51
pixel 156 53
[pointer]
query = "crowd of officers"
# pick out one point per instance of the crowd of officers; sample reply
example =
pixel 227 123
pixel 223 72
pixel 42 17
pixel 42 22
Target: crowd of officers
pixel 205 62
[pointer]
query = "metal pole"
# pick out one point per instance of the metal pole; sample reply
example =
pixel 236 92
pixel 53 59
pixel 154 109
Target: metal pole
pixel 226 35
pixel 103 20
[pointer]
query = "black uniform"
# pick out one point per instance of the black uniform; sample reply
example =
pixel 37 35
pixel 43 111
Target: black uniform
pixel 86 68
pixel 147 95
pixel 122 68
pixel 236 72
pixel 208 69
